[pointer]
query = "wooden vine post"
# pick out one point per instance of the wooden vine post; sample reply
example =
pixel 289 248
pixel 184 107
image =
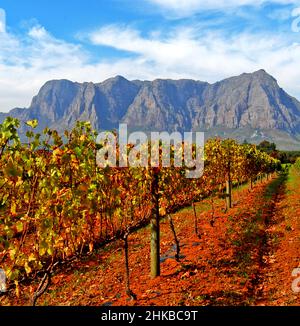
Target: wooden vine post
pixel 155 227
pixel 177 243
pixel 129 292
pixel 195 218
pixel 229 188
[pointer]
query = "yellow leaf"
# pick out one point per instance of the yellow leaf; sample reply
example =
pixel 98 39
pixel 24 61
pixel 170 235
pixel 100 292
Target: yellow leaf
pixel 42 251
pixel 32 123
pixel 50 251
pixel 31 257
pixel 13 208
pixel 17 289
pixel 12 253
pixel 27 268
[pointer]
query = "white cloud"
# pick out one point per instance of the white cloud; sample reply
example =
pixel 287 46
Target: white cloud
pixel 2 21
pixel 206 55
pixel 187 7
pixel 28 61
pixel 163 51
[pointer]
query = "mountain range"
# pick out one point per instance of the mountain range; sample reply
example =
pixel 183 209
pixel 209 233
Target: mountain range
pixel 249 107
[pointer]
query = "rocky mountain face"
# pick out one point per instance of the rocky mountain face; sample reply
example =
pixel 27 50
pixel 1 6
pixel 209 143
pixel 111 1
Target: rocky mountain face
pixel 249 106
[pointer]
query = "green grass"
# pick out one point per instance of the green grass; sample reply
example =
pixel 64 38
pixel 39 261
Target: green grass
pixel 293 177
pixel 273 187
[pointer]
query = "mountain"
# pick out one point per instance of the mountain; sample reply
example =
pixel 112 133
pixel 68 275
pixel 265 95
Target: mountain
pixel 248 107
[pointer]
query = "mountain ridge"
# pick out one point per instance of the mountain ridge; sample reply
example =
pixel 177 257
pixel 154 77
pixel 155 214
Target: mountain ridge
pixel 251 103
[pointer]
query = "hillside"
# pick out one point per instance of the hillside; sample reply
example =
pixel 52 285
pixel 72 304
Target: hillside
pixel 249 107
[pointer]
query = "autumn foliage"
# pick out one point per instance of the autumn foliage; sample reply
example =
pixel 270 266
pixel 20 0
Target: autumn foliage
pixel 56 203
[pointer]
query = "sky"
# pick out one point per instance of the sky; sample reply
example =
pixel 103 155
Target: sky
pixel 93 40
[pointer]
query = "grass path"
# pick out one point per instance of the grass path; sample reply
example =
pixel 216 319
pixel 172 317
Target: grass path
pixel 283 236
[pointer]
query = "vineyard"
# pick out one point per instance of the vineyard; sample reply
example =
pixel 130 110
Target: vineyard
pixel 57 205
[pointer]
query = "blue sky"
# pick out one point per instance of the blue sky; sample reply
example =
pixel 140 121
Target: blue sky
pixel 93 40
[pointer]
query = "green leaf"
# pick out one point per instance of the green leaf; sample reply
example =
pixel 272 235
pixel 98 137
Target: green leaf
pixel 19 226
pixel 29 134
pixel 43 248
pixel 77 151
